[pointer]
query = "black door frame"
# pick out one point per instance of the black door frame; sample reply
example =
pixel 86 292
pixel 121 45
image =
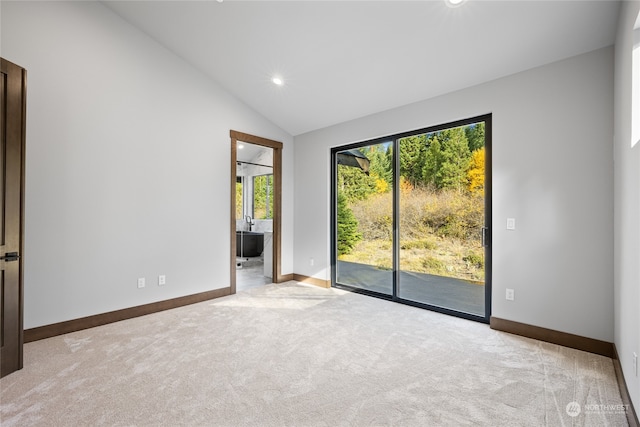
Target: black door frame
pixel 487 119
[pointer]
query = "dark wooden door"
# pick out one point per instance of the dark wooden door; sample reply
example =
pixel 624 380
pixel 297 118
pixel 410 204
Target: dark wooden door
pixel 12 135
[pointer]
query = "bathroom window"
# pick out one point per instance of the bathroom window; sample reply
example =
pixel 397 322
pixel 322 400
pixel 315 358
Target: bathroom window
pixel 263 197
pixel 239 204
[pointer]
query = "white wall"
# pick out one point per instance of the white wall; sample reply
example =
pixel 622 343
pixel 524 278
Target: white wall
pixel 128 163
pixel 626 208
pixel 552 171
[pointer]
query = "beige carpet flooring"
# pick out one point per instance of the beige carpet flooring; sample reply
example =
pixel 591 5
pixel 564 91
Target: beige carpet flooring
pixel 298 355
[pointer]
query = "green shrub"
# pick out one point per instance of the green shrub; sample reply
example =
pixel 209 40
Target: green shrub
pixel 474 259
pixel 433 265
pixel 418 244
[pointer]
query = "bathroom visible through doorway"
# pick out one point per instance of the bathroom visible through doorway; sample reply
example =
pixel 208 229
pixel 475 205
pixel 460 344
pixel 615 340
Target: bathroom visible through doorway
pixel 255 211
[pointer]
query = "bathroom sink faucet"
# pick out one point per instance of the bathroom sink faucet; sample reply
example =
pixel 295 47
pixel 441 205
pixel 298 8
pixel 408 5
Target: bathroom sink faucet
pixel 249 221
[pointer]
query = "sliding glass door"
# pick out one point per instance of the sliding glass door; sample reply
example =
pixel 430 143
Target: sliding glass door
pixel 442 216
pixel 364 212
pixel 411 216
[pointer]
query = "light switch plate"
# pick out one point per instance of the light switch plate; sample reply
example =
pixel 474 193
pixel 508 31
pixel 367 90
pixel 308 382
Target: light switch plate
pixel 511 223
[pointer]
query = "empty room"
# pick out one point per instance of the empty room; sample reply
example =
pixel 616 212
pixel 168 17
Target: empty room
pixel 319 213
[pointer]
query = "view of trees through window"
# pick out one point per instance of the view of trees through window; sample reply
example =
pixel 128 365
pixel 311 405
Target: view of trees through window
pixel 441 204
pixel 262 201
pixel 239 204
pixel 263 197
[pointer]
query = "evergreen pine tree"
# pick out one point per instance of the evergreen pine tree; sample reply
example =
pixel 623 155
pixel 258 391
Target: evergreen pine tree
pixel 348 235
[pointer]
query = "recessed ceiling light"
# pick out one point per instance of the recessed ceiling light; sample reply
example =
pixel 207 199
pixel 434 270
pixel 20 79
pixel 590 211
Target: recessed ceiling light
pixel 454 3
pixel 278 81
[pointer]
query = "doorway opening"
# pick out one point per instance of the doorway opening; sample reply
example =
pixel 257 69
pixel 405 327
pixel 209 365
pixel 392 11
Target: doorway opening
pixel 255 211
pixel 411 218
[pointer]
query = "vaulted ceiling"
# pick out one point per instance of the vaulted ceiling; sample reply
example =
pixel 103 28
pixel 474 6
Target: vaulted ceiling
pixel 341 60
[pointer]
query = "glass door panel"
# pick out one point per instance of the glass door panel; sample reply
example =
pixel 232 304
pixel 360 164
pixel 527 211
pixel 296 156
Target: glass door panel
pixel 364 217
pixel 441 215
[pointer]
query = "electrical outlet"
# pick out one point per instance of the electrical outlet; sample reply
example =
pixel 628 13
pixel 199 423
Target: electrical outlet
pixel 141 282
pixel 635 364
pixel 162 280
pixel 510 295
pixel 311 262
